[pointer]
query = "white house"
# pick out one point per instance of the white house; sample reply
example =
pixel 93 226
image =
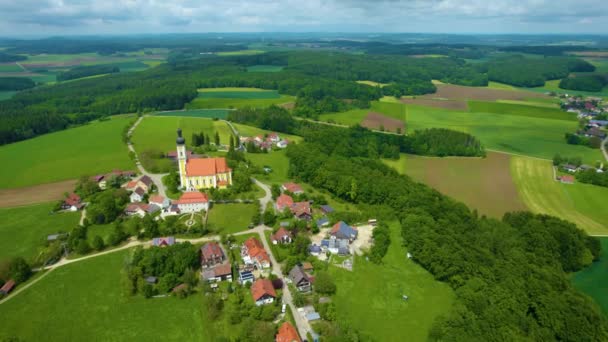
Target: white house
pixel 137 195
pixel 160 201
pixel 192 202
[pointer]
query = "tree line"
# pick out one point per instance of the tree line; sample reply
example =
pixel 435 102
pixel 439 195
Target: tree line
pixel 593 83
pixel 16 83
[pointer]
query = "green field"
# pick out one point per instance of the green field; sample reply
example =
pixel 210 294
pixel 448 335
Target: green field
pixel 532 102
pixel 23 230
pixel 520 110
pixel 554 86
pixel 265 68
pixel 10 67
pixel 230 218
pixel 276 160
pixel 240 53
pixel 500 86
pixel 238 98
pixel 5 95
pixel 484 184
pixel 593 280
pixel 509 133
pixel 85 150
pixel 86 299
pixel 197 113
pixel 582 204
pixel 356 116
pixel 369 298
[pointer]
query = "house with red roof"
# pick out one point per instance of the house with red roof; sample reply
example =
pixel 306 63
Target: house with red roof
pixel 302 210
pixel 159 201
pixel 287 333
pixel 192 202
pixel 140 209
pixel 263 292
pixel 567 179
pixel 281 236
pixel 212 254
pixel 72 203
pixel 293 188
pixel 143 182
pixel 283 201
pixel 253 253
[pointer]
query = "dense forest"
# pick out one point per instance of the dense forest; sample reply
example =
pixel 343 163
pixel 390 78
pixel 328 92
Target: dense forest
pixel 8 58
pixel 15 83
pixel 510 276
pixel 86 71
pixel 593 83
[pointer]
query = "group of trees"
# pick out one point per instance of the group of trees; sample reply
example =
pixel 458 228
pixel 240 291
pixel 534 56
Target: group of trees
pixel 593 83
pixel 85 71
pixel 445 142
pixel 510 276
pixel 8 57
pixel 579 139
pixel 591 176
pixel 382 240
pixel 202 139
pixel 106 206
pixel 15 83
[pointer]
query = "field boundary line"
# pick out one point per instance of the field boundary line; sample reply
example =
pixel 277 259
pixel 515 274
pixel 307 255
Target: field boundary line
pixel 519 155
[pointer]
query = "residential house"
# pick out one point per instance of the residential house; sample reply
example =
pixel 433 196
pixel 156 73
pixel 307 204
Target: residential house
pixel 595 132
pixel 263 292
pixel 336 246
pixel 253 253
pixel 281 236
pixel 163 241
pixel 7 287
pixel 139 209
pixel 211 254
pixel 72 203
pixel 567 179
pixel 160 201
pixel 137 195
pixel 287 333
pixel 326 209
pixel 222 272
pixel 246 277
pixel 293 188
pixel 302 210
pixel 283 201
pixel 273 137
pixel 307 267
pixel 599 123
pixel 569 168
pixel 322 222
pixel 192 202
pixel 300 279
pixel 314 250
pixel 100 180
pixel 341 230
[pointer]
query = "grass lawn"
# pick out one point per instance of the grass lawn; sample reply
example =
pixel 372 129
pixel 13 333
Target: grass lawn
pixel 520 110
pixel 582 204
pixel 85 150
pixel 265 68
pixel 593 280
pixel 484 184
pixel 197 113
pixel 23 230
pixel 10 67
pixel 101 230
pixel 352 117
pixel 369 298
pixel 86 299
pixel 532 102
pixel 276 160
pixel 530 136
pixel 230 218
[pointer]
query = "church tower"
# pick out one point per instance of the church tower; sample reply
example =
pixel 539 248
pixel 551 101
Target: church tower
pixel 182 158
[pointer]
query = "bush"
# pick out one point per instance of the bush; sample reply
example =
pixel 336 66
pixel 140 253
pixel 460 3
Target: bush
pixel 19 270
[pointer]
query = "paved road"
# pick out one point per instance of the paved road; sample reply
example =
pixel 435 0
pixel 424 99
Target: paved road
pixel 267 199
pixel 157 178
pixel 604 148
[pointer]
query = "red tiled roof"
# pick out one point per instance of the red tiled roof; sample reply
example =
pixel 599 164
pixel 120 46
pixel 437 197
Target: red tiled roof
pixel 192 197
pixel 284 201
pixel 287 333
pixel 280 234
pixel 156 199
pixel 8 286
pixel 132 184
pixel 292 187
pixel 567 179
pixel 222 270
pixel 134 206
pixel 300 208
pixel 256 250
pixel 72 199
pixel 211 250
pixel 206 166
pixel 262 287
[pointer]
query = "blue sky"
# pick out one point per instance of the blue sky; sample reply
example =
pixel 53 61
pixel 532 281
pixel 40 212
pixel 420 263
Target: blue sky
pixel 66 17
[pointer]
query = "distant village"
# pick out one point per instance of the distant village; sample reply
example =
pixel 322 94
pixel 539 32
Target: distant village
pixel 593 113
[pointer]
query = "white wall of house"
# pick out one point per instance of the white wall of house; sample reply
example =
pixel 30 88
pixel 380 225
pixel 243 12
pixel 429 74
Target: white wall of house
pixel 264 300
pixel 193 207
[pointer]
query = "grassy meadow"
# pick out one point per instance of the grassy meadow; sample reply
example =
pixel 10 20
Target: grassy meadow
pixel 352 117
pixel 84 150
pixel 369 298
pixel 582 204
pixel 86 299
pixel 23 230
pixel 554 86
pixel 500 86
pixel 230 218
pixel 197 113
pixel 484 184
pixel 593 280
pixel 276 160
pixel 237 98
pixel 518 109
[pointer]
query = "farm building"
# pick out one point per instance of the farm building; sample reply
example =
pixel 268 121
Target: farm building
pixel 7 287
pixel 567 179
pixel 72 203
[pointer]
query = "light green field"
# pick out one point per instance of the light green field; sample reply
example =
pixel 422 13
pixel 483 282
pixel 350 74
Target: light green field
pixel 501 86
pixel 593 280
pixel 85 150
pixel 5 95
pixel 265 68
pixel 582 204
pixel 10 67
pixel 372 83
pixel 356 116
pixel 520 110
pixel 277 161
pixel 229 103
pixel 85 299
pixel 230 218
pixel 197 113
pixel 509 133
pixel 240 53
pixel 484 184
pixel 370 298
pixel 23 230
pixel 545 104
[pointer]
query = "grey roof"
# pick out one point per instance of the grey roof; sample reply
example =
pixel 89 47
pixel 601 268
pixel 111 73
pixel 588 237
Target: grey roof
pixel 344 231
pixel 139 191
pixel 327 208
pixel 314 249
pixel 297 274
pixel 322 221
pixel 313 316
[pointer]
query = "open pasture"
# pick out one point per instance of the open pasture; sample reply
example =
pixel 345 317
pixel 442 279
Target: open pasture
pixel 230 218
pixel 582 204
pixel 518 109
pixel 378 121
pixel 356 116
pixel 484 184
pixel 89 149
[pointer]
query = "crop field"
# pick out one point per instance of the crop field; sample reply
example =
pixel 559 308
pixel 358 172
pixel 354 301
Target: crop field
pixel 84 150
pixel 484 184
pixel 86 299
pixel 593 280
pixel 197 113
pixel 520 110
pixel 230 218
pixel 500 86
pixel 529 136
pixel 381 122
pixel 379 288
pixel 35 194
pixel 444 104
pixel 582 204
pixel 457 92
pixel 29 226
pixel 545 104
pixel 356 116
pixel 265 68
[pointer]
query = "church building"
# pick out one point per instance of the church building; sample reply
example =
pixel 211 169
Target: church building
pixel 201 173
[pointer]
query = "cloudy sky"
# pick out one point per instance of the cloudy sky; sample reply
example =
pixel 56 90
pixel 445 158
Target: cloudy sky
pixel 49 17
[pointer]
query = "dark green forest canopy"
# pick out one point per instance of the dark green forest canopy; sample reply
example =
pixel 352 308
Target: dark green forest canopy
pixel 85 71
pixel 7 57
pixel 510 276
pixel 15 83
pixel 593 83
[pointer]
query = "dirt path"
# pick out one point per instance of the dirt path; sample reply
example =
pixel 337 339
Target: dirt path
pixel 35 194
